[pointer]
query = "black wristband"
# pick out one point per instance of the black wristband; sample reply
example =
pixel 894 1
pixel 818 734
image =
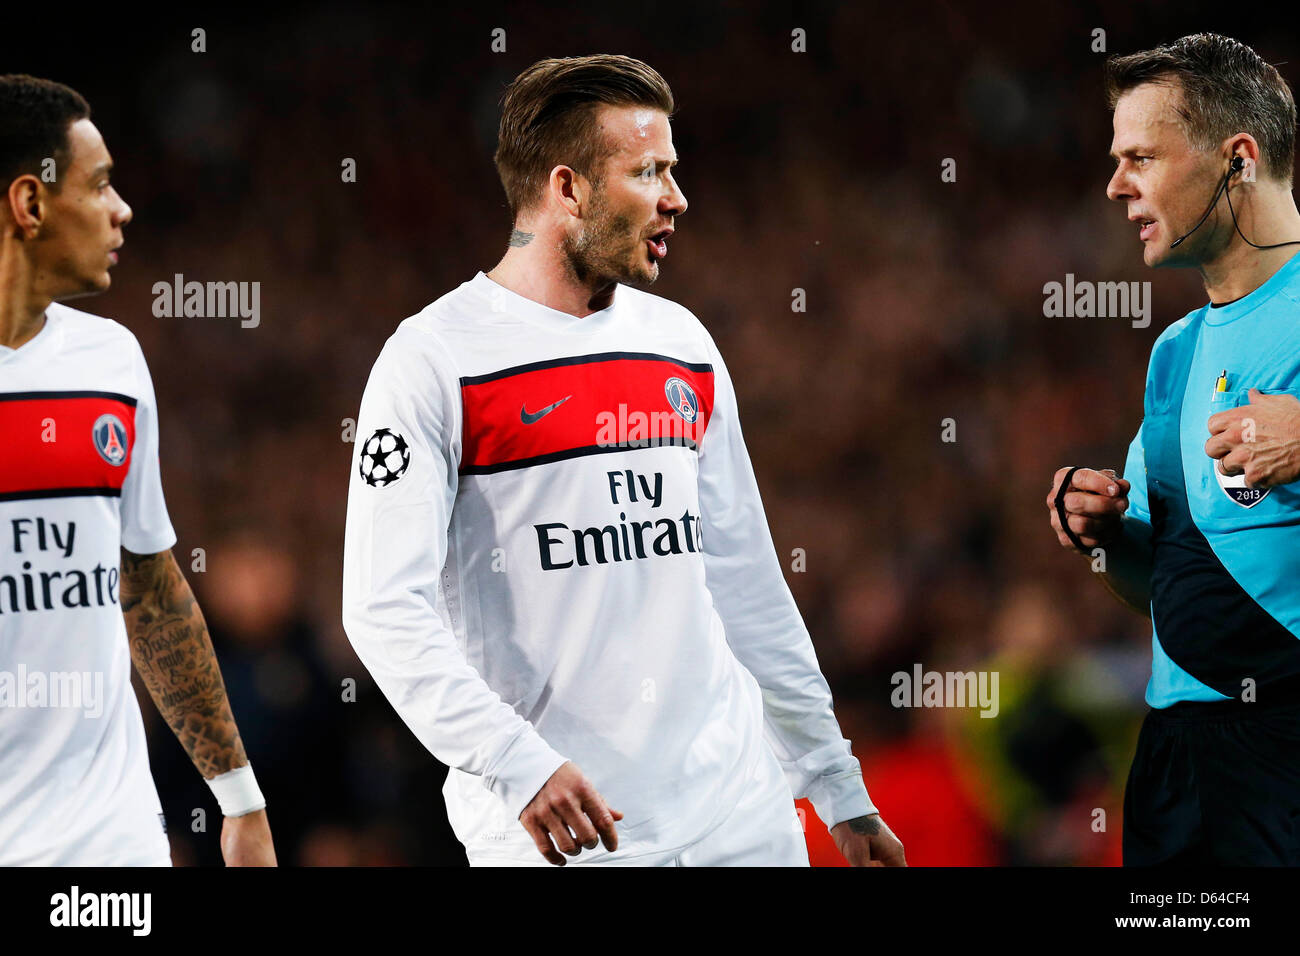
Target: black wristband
pixel 1060 512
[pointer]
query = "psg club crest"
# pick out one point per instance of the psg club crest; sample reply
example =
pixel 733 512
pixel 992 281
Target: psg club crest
pixel 109 435
pixel 384 458
pixel 681 397
pixel 1234 486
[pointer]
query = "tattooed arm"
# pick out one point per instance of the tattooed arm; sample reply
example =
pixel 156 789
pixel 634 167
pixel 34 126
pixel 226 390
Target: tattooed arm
pixel 868 841
pixel 173 654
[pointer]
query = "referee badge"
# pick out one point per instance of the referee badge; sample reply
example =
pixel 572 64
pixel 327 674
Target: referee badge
pixel 1234 486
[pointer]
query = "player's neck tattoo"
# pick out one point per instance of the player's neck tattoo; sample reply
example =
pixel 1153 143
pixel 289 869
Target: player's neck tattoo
pixel 520 238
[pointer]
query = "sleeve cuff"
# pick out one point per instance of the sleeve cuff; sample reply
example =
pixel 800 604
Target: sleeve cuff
pixel 522 770
pixel 148 543
pixel 841 797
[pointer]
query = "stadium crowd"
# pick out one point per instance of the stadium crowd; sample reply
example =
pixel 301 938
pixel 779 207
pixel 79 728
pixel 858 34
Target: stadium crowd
pixel 805 171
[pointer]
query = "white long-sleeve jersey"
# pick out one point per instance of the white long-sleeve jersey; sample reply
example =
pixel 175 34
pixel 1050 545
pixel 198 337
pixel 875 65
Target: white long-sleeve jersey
pixel 556 551
pixel 79 481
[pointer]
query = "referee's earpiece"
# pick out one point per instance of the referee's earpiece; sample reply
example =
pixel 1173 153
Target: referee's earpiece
pixel 1237 165
pixel 1233 168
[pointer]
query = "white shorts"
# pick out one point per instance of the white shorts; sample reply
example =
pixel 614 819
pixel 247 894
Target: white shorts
pixel 763 830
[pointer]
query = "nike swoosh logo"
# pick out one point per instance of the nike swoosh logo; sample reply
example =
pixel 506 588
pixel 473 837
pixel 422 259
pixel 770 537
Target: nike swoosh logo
pixel 529 418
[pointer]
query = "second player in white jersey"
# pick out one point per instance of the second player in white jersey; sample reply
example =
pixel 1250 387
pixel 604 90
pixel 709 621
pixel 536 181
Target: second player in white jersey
pixel 557 565
pixel 556 551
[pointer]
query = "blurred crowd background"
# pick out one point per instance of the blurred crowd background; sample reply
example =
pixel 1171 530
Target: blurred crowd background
pixel 819 171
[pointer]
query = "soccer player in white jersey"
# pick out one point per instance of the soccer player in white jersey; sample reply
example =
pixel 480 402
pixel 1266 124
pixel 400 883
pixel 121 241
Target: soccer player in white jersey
pixel 557 566
pixel 80 492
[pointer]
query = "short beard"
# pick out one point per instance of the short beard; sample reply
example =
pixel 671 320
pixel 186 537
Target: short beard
pixel 594 257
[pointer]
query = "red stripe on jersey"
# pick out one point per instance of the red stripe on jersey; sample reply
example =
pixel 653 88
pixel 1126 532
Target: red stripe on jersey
pixel 54 444
pixel 584 405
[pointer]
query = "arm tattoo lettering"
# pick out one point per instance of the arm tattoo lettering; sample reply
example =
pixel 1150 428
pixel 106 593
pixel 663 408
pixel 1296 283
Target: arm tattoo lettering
pixel 173 654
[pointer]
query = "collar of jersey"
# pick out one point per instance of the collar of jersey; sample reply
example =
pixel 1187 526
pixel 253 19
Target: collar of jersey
pixel 50 332
pixel 534 313
pixel 1253 300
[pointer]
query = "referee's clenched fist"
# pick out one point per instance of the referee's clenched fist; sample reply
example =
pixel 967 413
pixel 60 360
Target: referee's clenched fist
pixel 1095 502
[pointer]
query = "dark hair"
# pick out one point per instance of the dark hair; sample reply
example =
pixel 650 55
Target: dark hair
pixel 34 118
pixel 548 119
pixel 1226 89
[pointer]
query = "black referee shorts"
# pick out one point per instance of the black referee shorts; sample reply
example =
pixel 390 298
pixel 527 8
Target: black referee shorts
pixel 1215 784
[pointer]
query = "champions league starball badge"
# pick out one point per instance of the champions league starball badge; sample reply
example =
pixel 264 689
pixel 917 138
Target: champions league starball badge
pixel 384 458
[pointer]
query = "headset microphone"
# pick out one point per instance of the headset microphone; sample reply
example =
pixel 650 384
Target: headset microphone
pixel 1237 165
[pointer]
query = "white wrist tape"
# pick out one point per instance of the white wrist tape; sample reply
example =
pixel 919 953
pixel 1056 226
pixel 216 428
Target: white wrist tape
pixel 237 792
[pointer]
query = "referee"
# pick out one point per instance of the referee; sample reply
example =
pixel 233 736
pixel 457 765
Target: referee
pixel 1205 536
